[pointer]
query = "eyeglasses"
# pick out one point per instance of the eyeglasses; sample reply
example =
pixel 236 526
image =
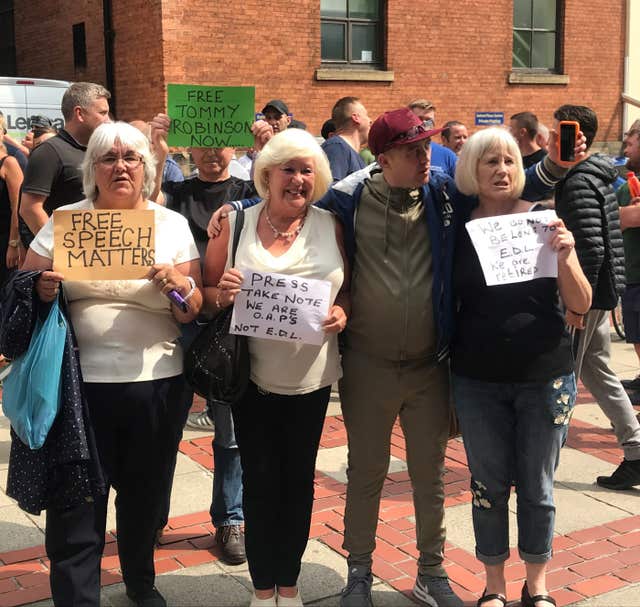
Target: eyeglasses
pixel 131 160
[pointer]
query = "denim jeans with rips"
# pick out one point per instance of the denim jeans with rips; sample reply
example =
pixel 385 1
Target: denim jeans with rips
pixel 513 432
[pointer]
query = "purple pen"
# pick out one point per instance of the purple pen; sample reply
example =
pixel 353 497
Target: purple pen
pixel 177 299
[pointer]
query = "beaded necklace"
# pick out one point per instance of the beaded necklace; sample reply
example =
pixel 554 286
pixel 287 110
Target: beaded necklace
pixel 284 235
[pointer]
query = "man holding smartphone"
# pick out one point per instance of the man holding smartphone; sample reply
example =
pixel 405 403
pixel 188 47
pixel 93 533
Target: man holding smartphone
pixel 586 202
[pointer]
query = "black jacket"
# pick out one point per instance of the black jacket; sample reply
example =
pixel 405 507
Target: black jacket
pixel 586 202
pixel 65 471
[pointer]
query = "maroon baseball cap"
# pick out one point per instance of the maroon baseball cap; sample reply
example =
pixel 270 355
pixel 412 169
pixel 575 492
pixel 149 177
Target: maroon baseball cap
pixel 398 127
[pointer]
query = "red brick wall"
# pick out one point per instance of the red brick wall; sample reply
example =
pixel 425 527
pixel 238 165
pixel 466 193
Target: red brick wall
pixel 458 58
pixel 44 39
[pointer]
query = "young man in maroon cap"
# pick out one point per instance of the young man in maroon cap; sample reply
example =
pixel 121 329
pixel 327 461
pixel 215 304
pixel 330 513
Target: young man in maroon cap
pixel 395 353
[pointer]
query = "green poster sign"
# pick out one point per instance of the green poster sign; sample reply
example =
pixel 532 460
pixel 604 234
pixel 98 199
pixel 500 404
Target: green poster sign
pixel 210 116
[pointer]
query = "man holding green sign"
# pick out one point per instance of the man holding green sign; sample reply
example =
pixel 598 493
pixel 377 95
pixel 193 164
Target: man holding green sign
pixel 210 116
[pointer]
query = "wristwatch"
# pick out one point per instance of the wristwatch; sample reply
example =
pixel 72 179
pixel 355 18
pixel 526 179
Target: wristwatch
pixel 14 243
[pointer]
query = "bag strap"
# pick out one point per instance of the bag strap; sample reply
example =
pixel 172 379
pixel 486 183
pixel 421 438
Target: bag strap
pixel 237 230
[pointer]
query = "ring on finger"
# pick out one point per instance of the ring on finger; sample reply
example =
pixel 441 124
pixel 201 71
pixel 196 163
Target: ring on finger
pixel 164 281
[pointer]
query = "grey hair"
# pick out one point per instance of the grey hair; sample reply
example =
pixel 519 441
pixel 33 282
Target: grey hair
pixel 285 146
pixel 476 147
pixel 101 142
pixel 81 94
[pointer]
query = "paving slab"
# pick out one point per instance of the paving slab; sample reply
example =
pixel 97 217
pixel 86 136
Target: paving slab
pixel 17 531
pixel 592 414
pixel 185 465
pixel 191 492
pixel 333 463
pixel 383 596
pixel 5 443
pixel 629 596
pixel 203 585
pixel 578 472
pixel 576 510
pixel 624 361
pixel 459 524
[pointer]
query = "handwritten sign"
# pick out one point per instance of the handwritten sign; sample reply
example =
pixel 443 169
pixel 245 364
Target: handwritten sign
pixel 210 116
pixel 92 244
pixel 514 248
pixel 282 307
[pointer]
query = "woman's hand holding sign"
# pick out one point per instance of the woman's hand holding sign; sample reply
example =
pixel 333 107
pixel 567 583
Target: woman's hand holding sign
pixel 562 241
pixel 48 285
pixel 336 321
pixel 228 287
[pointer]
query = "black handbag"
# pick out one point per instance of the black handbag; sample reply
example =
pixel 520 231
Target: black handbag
pixel 216 365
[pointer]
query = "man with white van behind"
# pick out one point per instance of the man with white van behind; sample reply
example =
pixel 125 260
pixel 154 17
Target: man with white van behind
pixel 53 176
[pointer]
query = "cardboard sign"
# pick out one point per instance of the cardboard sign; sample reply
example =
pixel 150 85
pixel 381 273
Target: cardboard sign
pixel 514 248
pixel 282 307
pixel 92 244
pixel 210 116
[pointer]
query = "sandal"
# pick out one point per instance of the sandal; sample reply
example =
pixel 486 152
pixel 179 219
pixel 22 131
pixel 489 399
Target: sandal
pixel 485 598
pixel 530 601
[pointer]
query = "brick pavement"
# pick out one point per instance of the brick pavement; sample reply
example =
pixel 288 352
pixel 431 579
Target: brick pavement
pixel 587 562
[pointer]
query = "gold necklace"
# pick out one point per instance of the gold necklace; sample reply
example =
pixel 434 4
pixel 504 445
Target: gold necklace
pixel 284 235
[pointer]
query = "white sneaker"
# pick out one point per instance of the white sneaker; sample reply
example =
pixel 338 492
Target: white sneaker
pixel 270 602
pixel 290 601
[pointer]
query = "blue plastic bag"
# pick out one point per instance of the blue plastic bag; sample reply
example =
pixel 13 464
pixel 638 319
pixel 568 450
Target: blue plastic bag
pixel 31 391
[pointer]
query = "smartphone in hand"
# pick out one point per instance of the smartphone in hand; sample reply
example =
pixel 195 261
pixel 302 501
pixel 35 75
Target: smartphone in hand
pixel 568 136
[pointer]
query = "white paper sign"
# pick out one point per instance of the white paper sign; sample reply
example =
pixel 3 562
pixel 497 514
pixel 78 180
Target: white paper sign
pixel 282 307
pixel 514 248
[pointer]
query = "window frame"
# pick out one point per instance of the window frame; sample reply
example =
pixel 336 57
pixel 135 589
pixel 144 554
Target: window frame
pixel 348 22
pixel 79 35
pixel 9 66
pixel 559 47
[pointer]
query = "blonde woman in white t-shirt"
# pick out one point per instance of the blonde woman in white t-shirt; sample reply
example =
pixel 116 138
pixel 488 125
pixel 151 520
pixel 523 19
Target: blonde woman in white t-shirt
pixel 131 363
pixel 279 421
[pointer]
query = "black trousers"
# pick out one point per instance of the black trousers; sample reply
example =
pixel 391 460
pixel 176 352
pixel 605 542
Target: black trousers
pixel 278 438
pixel 138 426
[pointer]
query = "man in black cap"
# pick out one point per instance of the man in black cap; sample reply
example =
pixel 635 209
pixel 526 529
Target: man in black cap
pixel 276 114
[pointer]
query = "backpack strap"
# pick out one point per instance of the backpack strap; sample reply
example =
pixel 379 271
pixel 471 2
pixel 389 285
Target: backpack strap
pixel 237 230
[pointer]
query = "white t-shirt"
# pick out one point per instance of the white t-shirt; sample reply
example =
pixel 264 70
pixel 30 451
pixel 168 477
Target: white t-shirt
pixel 125 329
pixel 291 367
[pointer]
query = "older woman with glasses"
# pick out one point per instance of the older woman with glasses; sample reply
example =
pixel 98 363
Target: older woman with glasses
pixel 127 332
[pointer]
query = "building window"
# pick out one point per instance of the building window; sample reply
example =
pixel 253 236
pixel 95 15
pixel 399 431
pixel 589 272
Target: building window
pixel 79 46
pixel 7 39
pixel 351 32
pixel 536 35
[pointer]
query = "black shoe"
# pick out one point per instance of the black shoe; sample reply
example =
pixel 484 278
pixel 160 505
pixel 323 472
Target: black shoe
pixel 631 384
pixel 526 600
pixel 148 598
pixel 231 539
pixel 634 397
pixel 625 476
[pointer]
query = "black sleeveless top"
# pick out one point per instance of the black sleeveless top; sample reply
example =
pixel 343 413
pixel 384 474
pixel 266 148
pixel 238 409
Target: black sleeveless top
pixel 5 204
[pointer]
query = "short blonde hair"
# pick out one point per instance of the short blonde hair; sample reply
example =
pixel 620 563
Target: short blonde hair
pixel 285 146
pixel 487 140
pixel 101 142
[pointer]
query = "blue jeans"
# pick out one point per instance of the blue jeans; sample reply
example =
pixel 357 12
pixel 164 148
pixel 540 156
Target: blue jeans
pixel 226 501
pixel 513 432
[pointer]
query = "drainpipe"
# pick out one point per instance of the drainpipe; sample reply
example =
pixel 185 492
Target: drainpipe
pixel 109 36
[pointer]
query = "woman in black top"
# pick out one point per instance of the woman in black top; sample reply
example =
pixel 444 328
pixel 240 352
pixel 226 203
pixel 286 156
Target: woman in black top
pixel 10 182
pixel 513 380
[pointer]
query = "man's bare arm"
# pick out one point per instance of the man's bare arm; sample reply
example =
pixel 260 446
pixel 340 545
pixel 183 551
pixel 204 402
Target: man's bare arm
pixel 32 211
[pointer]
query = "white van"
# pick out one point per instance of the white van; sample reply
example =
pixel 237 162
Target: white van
pixel 21 98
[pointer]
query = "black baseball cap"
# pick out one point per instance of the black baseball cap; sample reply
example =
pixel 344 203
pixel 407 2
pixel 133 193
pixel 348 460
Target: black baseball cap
pixel 278 105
